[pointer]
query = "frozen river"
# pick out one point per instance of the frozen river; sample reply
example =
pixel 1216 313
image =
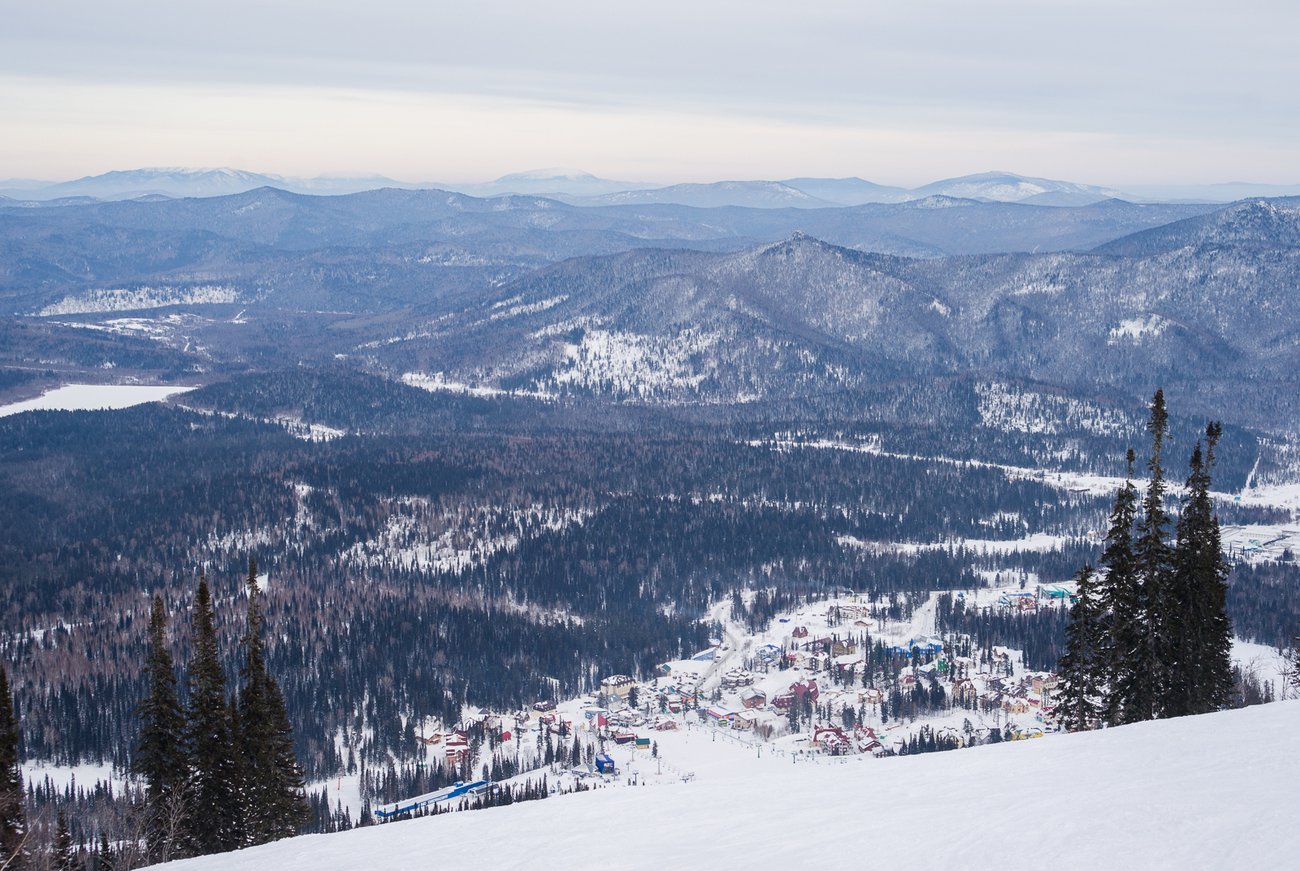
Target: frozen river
pixel 90 397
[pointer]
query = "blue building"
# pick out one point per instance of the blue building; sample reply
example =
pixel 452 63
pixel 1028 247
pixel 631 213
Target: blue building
pixel 449 793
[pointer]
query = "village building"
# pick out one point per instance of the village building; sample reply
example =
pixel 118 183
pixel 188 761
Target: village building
pixel 718 716
pixel 831 740
pixel 457 747
pixel 617 685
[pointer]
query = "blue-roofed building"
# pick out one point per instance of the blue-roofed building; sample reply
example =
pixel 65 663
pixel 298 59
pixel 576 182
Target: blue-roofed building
pixel 420 802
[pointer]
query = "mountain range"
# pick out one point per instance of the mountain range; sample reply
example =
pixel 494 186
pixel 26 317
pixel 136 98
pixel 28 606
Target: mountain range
pixel 1193 303
pixel 673 304
pixel 582 188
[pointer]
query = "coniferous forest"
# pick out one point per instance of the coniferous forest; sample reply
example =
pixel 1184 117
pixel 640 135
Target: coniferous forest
pixel 453 550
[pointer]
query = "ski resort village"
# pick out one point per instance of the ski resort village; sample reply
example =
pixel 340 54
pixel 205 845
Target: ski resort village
pixel 774 748
pixel 835 681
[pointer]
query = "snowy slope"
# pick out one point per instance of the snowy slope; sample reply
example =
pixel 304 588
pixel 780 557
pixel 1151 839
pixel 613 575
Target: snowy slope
pixel 1209 792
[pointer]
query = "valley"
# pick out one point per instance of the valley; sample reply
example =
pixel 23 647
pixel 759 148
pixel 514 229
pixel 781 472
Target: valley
pixel 818 499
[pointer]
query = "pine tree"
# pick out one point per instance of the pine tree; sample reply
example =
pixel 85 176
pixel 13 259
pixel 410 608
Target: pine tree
pixel 64 854
pixel 1199 651
pixel 1153 562
pixel 159 756
pixel 289 808
pixel 1117 598
pixel 275 799
pixel 13 827
pixel 212 827
pixel 1083 667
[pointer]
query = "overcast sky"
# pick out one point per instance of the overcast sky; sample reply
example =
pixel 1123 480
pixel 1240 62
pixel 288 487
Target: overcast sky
pixel 1102 91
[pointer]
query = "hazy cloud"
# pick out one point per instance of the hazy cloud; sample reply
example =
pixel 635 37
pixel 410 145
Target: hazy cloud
pixel 1107 86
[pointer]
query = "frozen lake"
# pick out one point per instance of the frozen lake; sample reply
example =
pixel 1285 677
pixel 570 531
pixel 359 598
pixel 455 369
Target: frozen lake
pixel 92 397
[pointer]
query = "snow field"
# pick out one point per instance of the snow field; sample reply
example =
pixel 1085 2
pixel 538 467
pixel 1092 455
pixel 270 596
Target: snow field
pixel 103 300
pixel 93 397
pixel 1210 792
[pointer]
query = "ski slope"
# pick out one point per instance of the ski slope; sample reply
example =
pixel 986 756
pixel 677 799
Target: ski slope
pixel 1218 791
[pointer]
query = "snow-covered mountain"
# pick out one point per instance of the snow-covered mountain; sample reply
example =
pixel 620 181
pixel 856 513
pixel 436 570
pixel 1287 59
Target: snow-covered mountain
pixel 1008 187
pixel 803 318
pixel 167 181
pixel 1208 792
pixel 189 182
pixel 556 181
pixel 1261 223
pixel 748 194
pixel 583 188
pixel 847 191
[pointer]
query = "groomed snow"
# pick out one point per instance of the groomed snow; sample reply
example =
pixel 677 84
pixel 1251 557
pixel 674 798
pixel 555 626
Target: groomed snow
pixel 92 397
pixel 1218 791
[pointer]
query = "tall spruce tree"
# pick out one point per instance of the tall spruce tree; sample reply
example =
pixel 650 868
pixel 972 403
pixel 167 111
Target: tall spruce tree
pixel 13 826
pixel 275 795
pixel 214 816
pixel 1153 561
pixel 1199 646
pixel 1082 666
pixel 1119 629
pixel 289 808
pixel 159 756
pixel 63 855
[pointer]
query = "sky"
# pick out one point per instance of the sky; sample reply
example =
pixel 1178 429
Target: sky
pixel 898 92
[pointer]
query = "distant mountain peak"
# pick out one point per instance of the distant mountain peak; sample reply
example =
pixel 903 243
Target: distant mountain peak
pixel 1010 187
pixel 557 173
pixel 183 172
pixel 718 194
pixel 799 244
